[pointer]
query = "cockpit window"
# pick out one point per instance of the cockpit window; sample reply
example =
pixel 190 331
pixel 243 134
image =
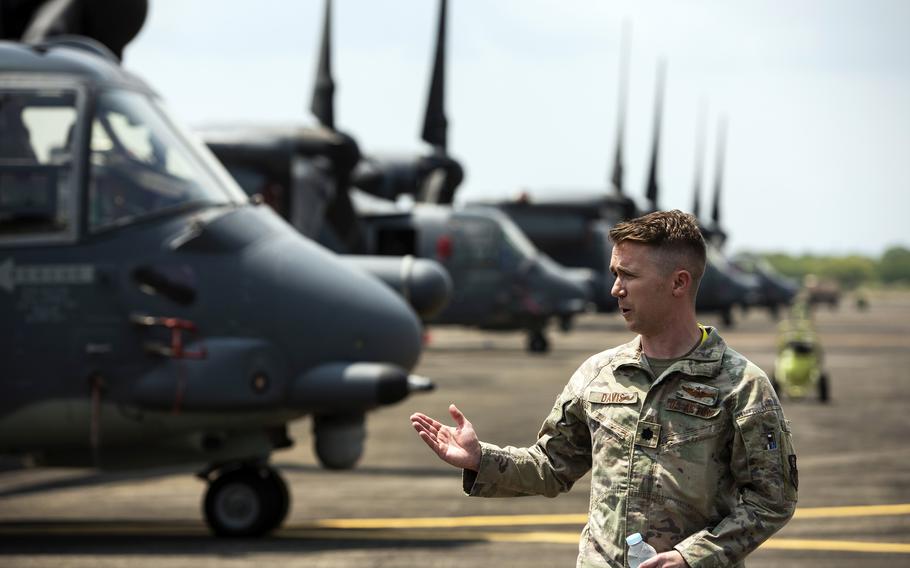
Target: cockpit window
pixel 142 165
pixel 516 239
pixel 35 161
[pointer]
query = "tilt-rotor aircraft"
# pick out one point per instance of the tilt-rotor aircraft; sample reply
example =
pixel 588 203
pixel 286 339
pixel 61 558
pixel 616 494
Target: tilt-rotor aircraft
pixel 499 280
pixel 574 230
pixel 768 288
pixel 152 314
pixel 304 173
pixel 571 226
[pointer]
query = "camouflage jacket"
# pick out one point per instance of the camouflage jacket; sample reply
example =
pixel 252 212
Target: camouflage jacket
pixel 700 459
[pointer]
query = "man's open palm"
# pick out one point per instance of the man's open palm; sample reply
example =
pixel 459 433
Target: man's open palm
pixel 457 446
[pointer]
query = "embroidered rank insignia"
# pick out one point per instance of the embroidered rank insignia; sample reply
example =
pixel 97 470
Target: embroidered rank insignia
pixel 613 397
pixel 647 434
pixel 697 392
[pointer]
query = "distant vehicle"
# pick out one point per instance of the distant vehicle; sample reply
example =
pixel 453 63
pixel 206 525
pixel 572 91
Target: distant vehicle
pixel 799 366
pixel 822 291
pixel 153 315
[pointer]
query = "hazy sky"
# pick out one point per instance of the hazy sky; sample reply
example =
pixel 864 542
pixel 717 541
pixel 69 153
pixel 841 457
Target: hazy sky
pixel 816 93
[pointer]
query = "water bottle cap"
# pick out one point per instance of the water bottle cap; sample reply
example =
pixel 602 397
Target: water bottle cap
pixel 633 539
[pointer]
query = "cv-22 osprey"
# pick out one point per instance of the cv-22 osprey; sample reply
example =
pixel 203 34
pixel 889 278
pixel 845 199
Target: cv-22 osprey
pixel 153 315
pixel 499 281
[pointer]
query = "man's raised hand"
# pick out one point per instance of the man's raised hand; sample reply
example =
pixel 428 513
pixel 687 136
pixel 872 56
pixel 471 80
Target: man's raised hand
pixel 457 446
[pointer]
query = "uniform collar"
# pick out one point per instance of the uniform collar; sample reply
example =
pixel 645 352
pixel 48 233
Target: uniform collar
pixel 704 362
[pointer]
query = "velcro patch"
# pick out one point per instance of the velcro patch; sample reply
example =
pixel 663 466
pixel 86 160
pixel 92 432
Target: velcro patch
pixel 690 408
pixel 699 393
pixel 614 397
pixel 647 434
pixel 794 474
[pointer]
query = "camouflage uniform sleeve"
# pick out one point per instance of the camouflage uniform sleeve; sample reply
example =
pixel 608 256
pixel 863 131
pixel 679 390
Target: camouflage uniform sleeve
pixel 551 466
pixel 763 466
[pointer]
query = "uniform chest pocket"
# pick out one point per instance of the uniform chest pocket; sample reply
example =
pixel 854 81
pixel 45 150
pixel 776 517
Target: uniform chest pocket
pixel 615 420
pixel 688 422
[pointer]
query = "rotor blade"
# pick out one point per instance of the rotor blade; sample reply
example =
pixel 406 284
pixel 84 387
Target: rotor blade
pixel 114 23
pixel 323 106
pixel 431 191
pixel 342 216
pixel 652 191
pixel 719 171
pixel 616 179
pixel 435 125
pixel 699 159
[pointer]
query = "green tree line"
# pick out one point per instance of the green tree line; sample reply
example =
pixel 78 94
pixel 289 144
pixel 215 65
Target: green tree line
pixel 851 271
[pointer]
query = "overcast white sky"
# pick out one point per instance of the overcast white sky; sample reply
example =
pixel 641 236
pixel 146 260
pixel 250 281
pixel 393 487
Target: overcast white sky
pixel 817 95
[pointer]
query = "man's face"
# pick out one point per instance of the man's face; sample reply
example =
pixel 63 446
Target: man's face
pixel 642 286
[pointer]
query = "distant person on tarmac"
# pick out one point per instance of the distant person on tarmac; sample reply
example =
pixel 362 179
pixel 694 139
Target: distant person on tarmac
pixel 686 438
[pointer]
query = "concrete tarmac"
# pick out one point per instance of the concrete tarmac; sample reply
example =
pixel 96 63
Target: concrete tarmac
pixel 403 507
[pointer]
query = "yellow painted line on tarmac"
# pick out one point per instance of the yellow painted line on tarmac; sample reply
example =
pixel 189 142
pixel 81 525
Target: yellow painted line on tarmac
pixel 571 538
pixel 451 522
pixel 572 519
pixel 387 533
pixel 854 511
pixel 538 537
pixel 838 545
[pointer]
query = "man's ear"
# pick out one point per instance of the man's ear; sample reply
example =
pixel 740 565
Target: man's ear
pixel 682 281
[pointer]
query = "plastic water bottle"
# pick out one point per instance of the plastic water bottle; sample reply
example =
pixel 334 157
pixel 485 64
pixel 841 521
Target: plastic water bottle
pixel 639 550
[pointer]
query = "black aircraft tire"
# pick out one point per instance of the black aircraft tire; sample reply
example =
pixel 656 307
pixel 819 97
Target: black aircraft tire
pixel 726 317
pixel 537 342
pixel 246 502
pixel 283 496
pixel 823 388
pixel 774 311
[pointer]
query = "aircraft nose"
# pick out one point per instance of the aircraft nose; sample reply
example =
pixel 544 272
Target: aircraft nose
pixel 422 282
pixel 324 309
pixel 567 293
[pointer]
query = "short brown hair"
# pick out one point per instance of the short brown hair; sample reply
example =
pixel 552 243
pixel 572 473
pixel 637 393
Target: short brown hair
pixel 671 232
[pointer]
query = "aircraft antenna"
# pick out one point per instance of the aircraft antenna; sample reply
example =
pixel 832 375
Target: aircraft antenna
pixel 652 191
pixel 435 125
pixel 323 105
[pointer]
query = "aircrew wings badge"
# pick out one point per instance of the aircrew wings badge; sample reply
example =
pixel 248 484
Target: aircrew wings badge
pixel 696 392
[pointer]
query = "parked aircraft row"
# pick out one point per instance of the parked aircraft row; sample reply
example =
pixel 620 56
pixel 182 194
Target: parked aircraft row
pixel 165 302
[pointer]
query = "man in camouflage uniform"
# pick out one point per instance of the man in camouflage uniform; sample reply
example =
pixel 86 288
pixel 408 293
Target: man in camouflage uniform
pixel 686 437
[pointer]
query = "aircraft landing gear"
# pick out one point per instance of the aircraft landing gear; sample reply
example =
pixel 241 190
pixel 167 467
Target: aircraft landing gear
pixel 250 500
pixel 726 317
pixel 823 388
pixel 537 341
pixel 339 440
